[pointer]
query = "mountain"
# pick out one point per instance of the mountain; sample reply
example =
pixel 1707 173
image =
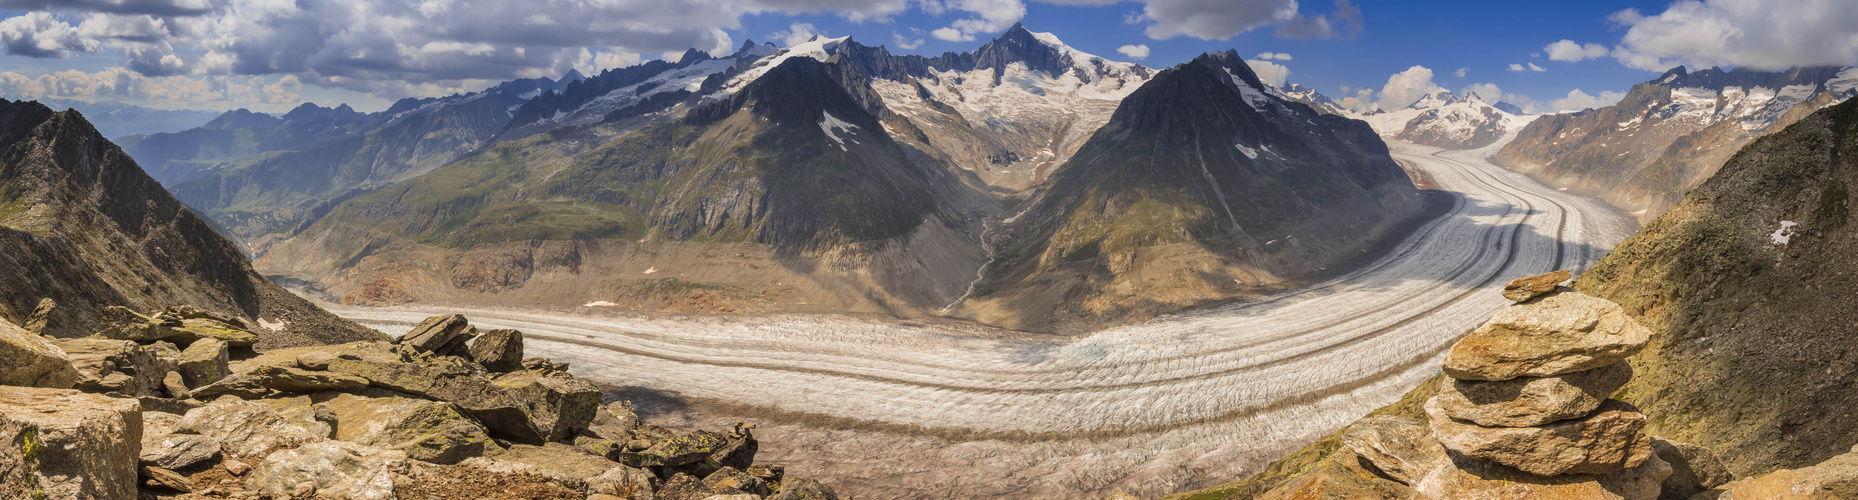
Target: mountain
pixel 1669 133
pixel 1204 183
pixel 1448 121
pixel 1743 283
pixel 261 177
pixel 80 223
pixel 797 192
pixel 616 94
pixel 115 119
pixel 1316 101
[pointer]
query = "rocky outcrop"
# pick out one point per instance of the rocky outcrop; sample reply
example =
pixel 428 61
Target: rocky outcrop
pixel 61 443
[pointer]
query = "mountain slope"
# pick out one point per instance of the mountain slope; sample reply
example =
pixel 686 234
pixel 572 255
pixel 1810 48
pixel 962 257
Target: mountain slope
pixel 1745 283
pixel 1670 133
pixel 789 192
pixel 1205 183
pixel 82 224
pixel 1448 121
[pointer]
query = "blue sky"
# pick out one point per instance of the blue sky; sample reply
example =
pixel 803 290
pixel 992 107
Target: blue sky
pixel 273 54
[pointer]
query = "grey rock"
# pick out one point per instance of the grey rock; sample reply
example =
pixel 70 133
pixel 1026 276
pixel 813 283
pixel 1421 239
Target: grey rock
pixel 61 443
pixel 115 366
pixel 624 482
pixel 1532 401
pixel 246 429
pixel 26 359
pixel 1609 440
pixel 332 469
pixel 177 451
pixel 438 333
pixel 560 406
pixel 1400 447
pixel 499 350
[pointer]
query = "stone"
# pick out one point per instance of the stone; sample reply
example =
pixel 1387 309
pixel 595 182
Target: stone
pixel 235 386
pixel 39 323
pixel 767 472
pixel 61 443
pixel 614 422
pixel 122 323
pixel 192 330
pixel 1400 447
pixel 293 380
pixel 438 333
pixel 1610 439
pixel 731 481
pixel 177 451
pixel 305 412
pixel 28 360
pixel 1522 289
pixel 499 350
pixel 555 460
pixel 560 406
pixel 331 469
pixel 1339 476
pixel 431 431
pixel 1557 334
pixel 245 429
pixel 1474 479
pixel 156 424
pixel 683 487
pixel 204 362
pixel 544 365
pixel 623 482
pixel 1694 469
pixel 161 477
pixel 677 451
pixel 115 366
pixel 804 488
pixel 739 451
pixel 314 360
pixel 443 378
pixel 1835 478
pixel 1532 401
pixel 235 467
pixel 175 385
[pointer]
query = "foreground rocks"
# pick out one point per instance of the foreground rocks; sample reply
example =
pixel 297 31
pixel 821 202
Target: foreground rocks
pixel 430 415
pixel 1548 336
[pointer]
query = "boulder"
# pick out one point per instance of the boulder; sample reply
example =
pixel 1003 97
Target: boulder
pixel 332 469
pixel 1400 447
pixel 1532 401
pixel 1557 334
pixel 767 472
pixel 1338 477
pixel 39 323
pixel 192 330
pixel 676 451
pixel 499 350
pixel 804 488
pixel 561 406
pixel 245 429
pixel 175 385
pixel 1694 469
pixel 315 360
pixel 739 451
pixel 1522 289
pixel 624 482
pixel 562 462
pixel 204 362
pixel 157 477
pixel 293 380
pixel 614 422
pixel 684 487
pixel 177 451
pixel 1610 439
pixel 431 431
pixel 28 360
pixel 1473 479
pixel 61 443
pixel 1834 479
pixel 122 323
pixel 443 378
pixel 305 412
pixel 115 366
pixel 731 481
pixel 439 334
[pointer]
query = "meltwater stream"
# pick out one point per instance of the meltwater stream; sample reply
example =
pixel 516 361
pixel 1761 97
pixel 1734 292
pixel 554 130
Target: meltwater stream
pixel 910 409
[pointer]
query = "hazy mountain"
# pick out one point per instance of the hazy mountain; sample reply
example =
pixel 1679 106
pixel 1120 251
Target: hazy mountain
pixel 82 224
pixel 1669 133
pixel 115 119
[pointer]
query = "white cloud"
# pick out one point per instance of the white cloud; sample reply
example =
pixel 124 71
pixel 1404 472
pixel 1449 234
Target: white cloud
pixel 989 16
pixel 170 92
pixel 951 35
pixel 39 34
pixel 591 62
pixel 1139 51
pixel 1568 50
pixel 1755 34
pixel 796 34
pixel 903 42
pixel 1461 71
pixel 1489 92
pixel 1270 72
pixel 1578 100
pixel 1405 87
pixel 1273 55
pixel 1529 67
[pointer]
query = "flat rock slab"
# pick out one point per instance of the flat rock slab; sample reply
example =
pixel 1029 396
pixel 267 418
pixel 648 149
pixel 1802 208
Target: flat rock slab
pixel 1471 479
pixel 1532 401
pixel 1610 439
pixel 26 359
pixel 1400 447
pixel 61 443
pixel 1523 289
pixel 1557 334
pixel 1834 479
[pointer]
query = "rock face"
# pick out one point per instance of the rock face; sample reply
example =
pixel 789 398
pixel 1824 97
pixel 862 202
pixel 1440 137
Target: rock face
pixel 431 431
pixel 1522 289
pixel 499 350
pixel 28 360
pixel 61 443
pixel 1528 401
pixel 1608 440
pixel 116 366
pixel 1553 335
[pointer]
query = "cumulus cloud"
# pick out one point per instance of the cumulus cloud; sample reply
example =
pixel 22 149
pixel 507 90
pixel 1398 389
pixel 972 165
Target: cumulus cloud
pixel 1138 51
pixel 1529 67
pixel 903 42
pixel 1344 23
pixel 1461 71
pixel 1273 55
pixel 989 16
pixel 156 7
pixel 1405 87
pixel 1568 50
pixel 121 84
pixel 1489 92
pixel 1270 72
pixel 38 34
pixel 797 34
pixel 1578 100
pixel 1756 34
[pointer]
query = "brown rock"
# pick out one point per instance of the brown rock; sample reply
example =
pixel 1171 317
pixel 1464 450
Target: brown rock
pixel 1693 469
pixel 1532 401
pixel 1523 289
pixel 26 359
pixel 804 488
pixel 767 472
pixel 245 429
pixel 555 460
pixel 175 385
pixel 438 334
pixel 623 482
pixel 61 443
pixel 499 350
pixel 115 366
pixel 300 381
pixel 432 431
pixel 1467 478
pixel 1339 476
pixel 314 360
pixel 329 469
pixel 204 362
pixel 1558 334
pixel 561 406
pixel 1834 479
pixel 1606 441
pixel 614 421
pixel 683 487
pixel 729 481
pixel 164 478
pixel 39 322
pixel 176 451
pixel 1400 447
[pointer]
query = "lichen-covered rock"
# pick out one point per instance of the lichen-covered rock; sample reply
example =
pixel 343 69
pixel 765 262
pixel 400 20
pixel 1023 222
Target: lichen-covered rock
pixel 1610 439
pixel 562 462
pixel 192 330
pixel 730 481
pixel 431 431
pixel 804 488
pixel 1473 479
pixel 444 378
pixel 1532 401
pixel 28 360
pixel 561 406
pixel 333 469
pixel 294 380
pixel 176 451
pixel 61 443
pixel 1400 447
pixel 115 366
pixel 624 482
pixel 439 334
pixel 1523 289
pixel 676 451
pixel 245 428
pixel 1694 469
pixel 1561 333
pixel 204 362
pixel 499 350
pixel 39 323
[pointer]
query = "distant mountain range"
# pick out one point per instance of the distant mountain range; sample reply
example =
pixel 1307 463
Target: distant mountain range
pixel 115 119
pixel 1449 121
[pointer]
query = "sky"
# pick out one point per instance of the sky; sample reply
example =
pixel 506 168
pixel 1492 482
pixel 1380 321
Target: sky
pixel 271 55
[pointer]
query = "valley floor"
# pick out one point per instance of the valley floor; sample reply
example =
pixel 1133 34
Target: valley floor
pixel 924 409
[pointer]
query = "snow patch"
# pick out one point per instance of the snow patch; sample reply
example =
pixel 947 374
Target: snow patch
pixel 1784 234
pixel 1249 152
pixel 599 303
pixel 830 123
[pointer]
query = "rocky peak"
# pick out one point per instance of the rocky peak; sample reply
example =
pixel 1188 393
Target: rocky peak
pixel 1229 62
pixel 242 118
pixel 1021 45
